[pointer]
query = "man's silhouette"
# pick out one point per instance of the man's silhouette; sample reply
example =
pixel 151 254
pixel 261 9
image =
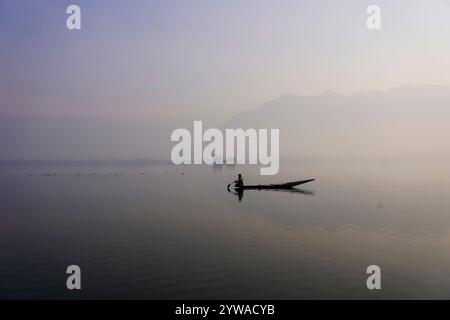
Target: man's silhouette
pixel 239 183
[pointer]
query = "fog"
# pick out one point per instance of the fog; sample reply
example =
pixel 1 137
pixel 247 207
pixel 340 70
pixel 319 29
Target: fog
pixel 408 121
pixel 136 72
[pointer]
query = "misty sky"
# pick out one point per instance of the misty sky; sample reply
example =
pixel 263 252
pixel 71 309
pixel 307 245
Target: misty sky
pixel 210 58
pixel 153 66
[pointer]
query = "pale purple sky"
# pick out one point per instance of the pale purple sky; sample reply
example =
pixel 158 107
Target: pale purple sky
pixel 140 69
pixel 169 59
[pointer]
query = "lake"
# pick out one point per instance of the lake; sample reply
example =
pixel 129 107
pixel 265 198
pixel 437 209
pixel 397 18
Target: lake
pixel 167 232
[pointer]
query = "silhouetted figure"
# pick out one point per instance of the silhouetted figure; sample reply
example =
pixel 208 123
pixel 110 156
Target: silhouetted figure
pixel 238 187
pixel 239 183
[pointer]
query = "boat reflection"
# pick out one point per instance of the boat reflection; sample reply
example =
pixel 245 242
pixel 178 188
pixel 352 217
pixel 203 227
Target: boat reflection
pixel 240 192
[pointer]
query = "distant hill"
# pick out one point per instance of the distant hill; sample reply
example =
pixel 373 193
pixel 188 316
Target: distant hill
pixel 403 121
pixel 407 121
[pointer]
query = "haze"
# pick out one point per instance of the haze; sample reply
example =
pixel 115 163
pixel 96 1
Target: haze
pixel 138 70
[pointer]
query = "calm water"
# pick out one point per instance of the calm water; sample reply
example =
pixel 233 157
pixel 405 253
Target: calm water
pixel 169 235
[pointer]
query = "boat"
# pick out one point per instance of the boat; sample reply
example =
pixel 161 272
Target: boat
pixel 287 185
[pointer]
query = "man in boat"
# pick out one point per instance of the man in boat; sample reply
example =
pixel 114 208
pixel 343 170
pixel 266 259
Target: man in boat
pixel 238 187
pixel 239 183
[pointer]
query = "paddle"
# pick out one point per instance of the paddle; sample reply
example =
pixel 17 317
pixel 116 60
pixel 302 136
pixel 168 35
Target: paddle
pixel 228 186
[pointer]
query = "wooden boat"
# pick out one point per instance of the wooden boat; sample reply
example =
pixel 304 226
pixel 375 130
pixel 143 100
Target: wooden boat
pixel 287 185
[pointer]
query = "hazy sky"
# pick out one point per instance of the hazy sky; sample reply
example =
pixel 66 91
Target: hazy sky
pixel 166 59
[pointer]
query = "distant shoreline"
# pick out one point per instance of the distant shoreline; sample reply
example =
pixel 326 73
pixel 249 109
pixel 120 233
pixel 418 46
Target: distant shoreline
pixel 82 162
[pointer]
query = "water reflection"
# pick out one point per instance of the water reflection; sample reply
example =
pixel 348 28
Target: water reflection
pixel 240 192
pixel 168 235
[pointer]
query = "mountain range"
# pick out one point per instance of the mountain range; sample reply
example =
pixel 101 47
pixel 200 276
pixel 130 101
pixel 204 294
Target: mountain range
pixel 406 121
pixel 403 121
